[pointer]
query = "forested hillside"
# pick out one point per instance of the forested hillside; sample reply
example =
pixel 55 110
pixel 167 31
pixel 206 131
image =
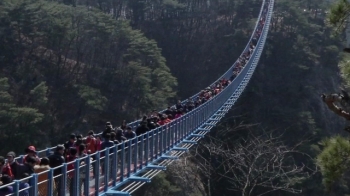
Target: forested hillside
pixel 68 66
pixel 69 69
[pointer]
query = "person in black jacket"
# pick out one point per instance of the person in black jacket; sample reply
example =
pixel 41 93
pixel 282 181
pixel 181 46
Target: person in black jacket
pixel 120 136
pixel 142 128
pixel 56 160
pixel 27 167
pixel 108 130
pixel 70 143
pixel 151 124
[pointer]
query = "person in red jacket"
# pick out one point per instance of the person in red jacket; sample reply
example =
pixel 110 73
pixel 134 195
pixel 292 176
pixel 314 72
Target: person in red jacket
pixel 5 168
pixel 98 143
pixel 91 143
pixel 91 147
pixel 71 157
pixel 12 163
pixel 31 151
pixel 164 120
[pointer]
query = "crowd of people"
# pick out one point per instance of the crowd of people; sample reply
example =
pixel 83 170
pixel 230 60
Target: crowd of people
pixel 78 146
pixel 244 58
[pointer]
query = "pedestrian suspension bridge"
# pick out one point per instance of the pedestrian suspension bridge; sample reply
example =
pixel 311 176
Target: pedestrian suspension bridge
pixel 131 164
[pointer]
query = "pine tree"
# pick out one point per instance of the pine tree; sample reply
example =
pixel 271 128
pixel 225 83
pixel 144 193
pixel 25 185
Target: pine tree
pixel 39 95
pixel 17 124
pixel 334 160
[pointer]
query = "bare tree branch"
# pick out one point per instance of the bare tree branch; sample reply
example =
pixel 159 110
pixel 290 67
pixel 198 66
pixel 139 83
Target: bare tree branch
pixel 255 165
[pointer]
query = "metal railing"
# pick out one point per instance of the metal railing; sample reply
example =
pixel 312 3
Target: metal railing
pixel 128 161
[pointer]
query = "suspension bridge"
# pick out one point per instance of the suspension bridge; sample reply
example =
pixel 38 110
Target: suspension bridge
pixel 131 164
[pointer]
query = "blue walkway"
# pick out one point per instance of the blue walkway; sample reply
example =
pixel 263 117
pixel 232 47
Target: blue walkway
pixel 131 164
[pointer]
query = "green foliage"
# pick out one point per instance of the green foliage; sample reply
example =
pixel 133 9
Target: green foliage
pixel 25 115
pixel 344 66
pixel 17 123
pixel 69 64
pixel 173 4
pixel 5 98
pixel 39 94
pixel 6 101
pixel 154 77
pixel 339 14
pixel 92 97
pixel 334 160
pixel 160 186
pixel 4 86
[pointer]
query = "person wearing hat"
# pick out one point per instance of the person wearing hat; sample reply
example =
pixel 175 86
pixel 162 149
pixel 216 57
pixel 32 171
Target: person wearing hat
pixel 12 162
pixel 31 151
pixel 109 126
pixel 108 123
